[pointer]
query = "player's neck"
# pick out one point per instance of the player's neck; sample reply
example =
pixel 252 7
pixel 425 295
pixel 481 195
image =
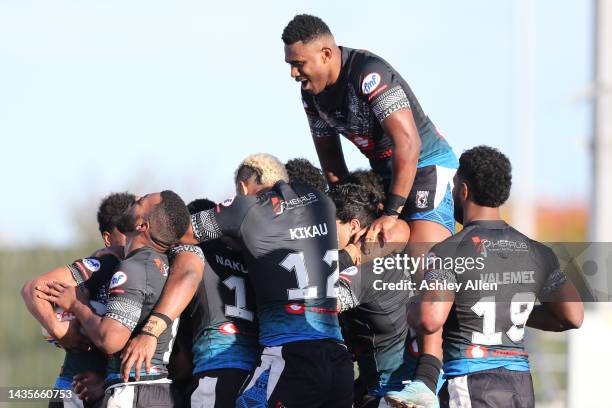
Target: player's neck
pixel 479 213
pixel 139 241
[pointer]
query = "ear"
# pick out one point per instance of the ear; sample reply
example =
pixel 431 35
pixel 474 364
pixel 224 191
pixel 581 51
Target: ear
pixel 106 238
pixel 326 54
pixel 465 191
pixel 142 226
pixel 355 226
pixel 243 189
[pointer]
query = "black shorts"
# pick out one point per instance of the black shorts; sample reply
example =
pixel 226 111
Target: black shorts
pixel 142 395
pixel 217 388
pixel 491 388
pixel 301 374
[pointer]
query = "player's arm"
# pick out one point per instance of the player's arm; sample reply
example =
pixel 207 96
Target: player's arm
pixel 78 272
pixel 223 220
pixel 560 310
pixel 430 310
pixel 561 307
pixel 402 130
pixel 107 334
pixel 326 141
pixel 395 243
pixel 391 106
pixel 331 157
pixel 41 309
pixel 186 272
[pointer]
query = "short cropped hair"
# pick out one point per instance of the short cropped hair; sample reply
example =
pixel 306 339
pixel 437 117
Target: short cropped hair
pixel 267 169
pixel 488 174
pixel 169 219
pixel 305 28
pixel 354 201
pixel 111 209
pixel 304 172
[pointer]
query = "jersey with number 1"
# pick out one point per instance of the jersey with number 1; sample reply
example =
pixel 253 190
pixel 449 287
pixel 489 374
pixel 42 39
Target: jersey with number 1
pixel 291 252
pixel 220 320
pixel 498 274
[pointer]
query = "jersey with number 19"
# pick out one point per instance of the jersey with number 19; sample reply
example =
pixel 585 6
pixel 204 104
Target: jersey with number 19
pixel 499 273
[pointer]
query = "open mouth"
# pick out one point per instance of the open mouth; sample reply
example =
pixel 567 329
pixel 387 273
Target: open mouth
pixel 303 82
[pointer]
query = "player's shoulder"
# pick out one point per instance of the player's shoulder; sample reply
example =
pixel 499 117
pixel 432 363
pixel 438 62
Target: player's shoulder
pixel 451 245
pixel 368 71
pixel 143 260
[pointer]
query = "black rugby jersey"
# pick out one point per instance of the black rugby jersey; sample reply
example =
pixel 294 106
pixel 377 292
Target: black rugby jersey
pixel 508 272
pixel 291 251
pixel 133 292
pixel 367 91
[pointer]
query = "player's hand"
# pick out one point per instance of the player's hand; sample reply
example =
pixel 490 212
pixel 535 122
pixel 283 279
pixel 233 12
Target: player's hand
pixel 355 253
pixel 60 293
pixel 138 350
pixel 380 228
pixel 89 386
pixel 73 340
pixel 116 251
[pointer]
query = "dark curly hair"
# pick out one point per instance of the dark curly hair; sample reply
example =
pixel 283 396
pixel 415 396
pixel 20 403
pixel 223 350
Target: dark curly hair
pixel 370 180
pixel 200 204
pixel 488 174
pixel 169 219
pixel 305 28
pixel 111 208
pixel 304 172
pixel 354 201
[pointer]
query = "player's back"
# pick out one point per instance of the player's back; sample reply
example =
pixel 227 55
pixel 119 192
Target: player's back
pixel 292 252
pixel 499 273
pixel 221 315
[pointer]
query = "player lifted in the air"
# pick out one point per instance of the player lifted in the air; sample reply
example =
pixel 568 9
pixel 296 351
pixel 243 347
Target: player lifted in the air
pixel 357 94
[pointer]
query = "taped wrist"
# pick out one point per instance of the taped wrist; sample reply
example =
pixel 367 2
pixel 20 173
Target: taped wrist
pixel 428 371
pixel 394 204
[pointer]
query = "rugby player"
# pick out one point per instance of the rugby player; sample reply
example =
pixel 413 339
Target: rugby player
pixel 218 326
pixel 152 224
pixel 484 326
pixel 80 358
pixel 359 95
pixel 290 247
pixel 373 320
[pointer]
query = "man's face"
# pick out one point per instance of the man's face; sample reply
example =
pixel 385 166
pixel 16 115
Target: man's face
pixel 137 214
pixel 310 64
pixel 345 233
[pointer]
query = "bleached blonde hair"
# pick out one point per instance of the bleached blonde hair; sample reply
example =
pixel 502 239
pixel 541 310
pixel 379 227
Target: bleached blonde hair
pixel 268 167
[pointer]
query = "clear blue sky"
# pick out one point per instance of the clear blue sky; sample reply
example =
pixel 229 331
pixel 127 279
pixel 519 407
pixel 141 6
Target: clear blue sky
pixel 104 96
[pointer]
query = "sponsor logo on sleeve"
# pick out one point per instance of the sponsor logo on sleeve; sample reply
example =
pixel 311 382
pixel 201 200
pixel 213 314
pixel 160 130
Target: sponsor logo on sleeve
pixel 228 202
pixel 118 279
pixel 350 271
pixel 92 264
pixel 370 82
